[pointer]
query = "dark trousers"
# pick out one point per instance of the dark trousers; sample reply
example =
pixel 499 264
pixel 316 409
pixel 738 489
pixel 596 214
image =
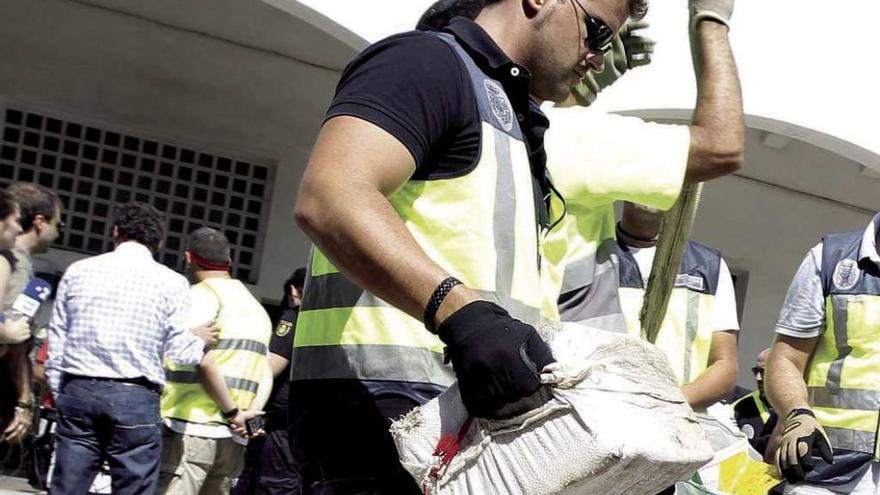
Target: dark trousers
pixel 339 437
pixel 106 420
pixel 269 468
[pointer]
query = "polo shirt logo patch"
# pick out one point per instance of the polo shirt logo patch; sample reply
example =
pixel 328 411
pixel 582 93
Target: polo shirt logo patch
pixel 846 274
pixel 692 282
pixel 499 104
pixel 283 328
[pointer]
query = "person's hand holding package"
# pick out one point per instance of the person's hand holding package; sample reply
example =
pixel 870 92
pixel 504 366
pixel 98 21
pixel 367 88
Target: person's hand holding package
pixel 496 358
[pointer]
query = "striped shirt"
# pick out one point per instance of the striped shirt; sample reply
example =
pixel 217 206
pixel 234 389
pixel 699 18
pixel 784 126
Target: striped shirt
pixel 118 315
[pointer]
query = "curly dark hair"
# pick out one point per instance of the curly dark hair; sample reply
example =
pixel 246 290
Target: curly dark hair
pixel 440 13
pixel 139 222
pixel 7 203
pixel 34 199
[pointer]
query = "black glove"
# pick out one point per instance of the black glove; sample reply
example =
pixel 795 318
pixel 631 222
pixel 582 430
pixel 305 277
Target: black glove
pixel 496 358
pixel 800 437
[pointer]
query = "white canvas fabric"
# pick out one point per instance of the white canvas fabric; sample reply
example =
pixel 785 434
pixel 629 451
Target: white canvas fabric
pixel 616 424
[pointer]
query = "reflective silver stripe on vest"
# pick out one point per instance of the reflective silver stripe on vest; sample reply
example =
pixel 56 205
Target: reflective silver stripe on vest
pixel 692 326
pixel 844 398
pixel 839 307
pixel 242 345
pixel 334 290
pixel 580 273
pixel 843 438
pixel 591 285
pixel 370 362
pixel 185 376
pixel 504 224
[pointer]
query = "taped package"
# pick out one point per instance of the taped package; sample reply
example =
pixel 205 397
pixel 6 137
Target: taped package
pixel 616 423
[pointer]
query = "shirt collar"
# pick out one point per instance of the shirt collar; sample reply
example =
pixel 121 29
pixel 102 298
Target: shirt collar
pixel 480 45
pixel 134 248
pixel 868 248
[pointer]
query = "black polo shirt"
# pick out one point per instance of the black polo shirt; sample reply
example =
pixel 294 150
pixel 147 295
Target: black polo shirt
pixel 414 86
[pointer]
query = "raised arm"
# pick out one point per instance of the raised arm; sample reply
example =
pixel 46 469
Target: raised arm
pixel 718 129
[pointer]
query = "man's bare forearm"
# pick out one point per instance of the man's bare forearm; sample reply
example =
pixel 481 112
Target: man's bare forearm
pixel 355 226
pixel 718 128
pixel 784 379
pixel 712 384
pixel 214 383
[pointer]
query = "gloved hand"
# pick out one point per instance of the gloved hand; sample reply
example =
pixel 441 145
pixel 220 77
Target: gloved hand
pixel 628 50
pixel 801 435
pixel 718 10
pixel 496 358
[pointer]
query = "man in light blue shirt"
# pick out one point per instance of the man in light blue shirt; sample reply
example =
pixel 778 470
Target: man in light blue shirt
pixel 116 317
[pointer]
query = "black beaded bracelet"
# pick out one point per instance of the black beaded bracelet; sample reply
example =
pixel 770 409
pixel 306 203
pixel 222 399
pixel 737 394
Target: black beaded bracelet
pixel 795 412
pixel 230 414
pixel 437 299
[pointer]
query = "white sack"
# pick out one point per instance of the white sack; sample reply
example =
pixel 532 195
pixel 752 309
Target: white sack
pixel 617 424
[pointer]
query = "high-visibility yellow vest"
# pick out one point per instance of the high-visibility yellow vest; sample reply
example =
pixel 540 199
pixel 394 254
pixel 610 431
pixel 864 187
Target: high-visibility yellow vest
pixel 686 332
pixel 755 397
pixel 245 330
pixel 480 226
pixel 582 254
pixel 843 376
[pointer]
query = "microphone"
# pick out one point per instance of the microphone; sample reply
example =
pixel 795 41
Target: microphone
pixel 28 302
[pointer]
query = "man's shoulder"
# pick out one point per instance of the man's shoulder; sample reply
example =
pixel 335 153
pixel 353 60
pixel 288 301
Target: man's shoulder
pixel 166 275
pixel 407 41
pixel 405 55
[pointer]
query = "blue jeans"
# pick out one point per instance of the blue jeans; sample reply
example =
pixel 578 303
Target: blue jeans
pixel 102 420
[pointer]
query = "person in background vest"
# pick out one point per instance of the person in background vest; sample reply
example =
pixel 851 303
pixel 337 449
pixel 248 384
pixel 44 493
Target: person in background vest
pixel 269 468
pixel 205 408
pixel 823 373
pixel 753 413
pixel 415 250
pixel 699 331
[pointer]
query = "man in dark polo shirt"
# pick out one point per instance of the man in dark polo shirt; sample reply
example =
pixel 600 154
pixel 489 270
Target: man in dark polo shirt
pixel 269 468
pixel 428 200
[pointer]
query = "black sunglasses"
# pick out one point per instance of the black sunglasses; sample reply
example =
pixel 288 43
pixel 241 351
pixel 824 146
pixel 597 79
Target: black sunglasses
pixel 598 33
pixel 757 370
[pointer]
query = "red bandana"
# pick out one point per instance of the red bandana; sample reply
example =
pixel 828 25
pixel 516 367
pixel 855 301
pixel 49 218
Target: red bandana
pixel 208 265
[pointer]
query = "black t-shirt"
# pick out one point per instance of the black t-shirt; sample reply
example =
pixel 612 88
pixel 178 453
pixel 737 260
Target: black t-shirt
pixel 416 88
pixel 282 345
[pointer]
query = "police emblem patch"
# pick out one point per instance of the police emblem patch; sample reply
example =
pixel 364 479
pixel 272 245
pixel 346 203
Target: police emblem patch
pixel 846 274
pixel 692 282
pixel 499 104
pixel 283 328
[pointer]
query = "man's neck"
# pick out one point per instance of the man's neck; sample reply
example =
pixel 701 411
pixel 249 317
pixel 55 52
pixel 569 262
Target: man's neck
pixel 27 242
pixel 203 275
pixel 634 239
pixel 496 21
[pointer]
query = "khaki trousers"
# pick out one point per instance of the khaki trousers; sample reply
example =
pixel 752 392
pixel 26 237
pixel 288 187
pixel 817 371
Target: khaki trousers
pixel 194 465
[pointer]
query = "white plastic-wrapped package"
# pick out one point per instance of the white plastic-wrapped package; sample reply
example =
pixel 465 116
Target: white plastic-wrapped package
pixel 616 424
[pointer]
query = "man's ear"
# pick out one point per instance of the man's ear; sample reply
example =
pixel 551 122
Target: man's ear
pixel 188 257
pixel 531 8
pixel 38 222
